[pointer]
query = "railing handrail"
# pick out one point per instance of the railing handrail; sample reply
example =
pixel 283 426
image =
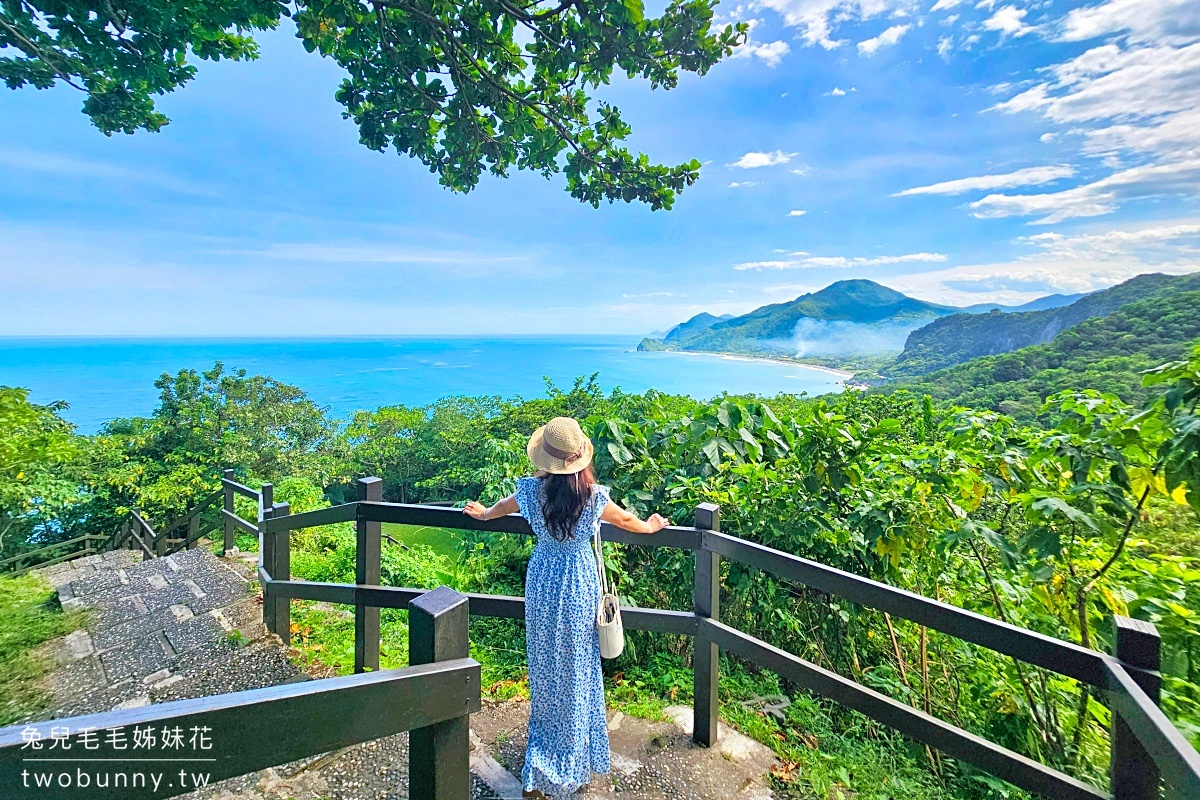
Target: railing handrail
pixel 1174 757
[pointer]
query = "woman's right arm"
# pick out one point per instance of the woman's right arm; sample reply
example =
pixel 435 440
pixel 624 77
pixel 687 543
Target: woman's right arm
pixel 628 521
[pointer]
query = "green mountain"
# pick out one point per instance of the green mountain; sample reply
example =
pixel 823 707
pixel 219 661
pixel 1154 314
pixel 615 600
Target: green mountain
pixel 961 337
pixel 701 322
pixel 1106 353
pixel 828 321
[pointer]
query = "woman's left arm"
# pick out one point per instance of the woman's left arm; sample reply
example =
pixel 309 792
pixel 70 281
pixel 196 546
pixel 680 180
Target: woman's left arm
pixel 503 508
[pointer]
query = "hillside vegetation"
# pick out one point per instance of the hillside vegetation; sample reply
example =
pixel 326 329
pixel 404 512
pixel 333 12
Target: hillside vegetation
pixel 961 337
pixel 1107 354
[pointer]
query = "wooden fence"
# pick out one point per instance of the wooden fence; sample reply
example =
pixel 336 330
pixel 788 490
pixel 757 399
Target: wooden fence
pixel 1149 755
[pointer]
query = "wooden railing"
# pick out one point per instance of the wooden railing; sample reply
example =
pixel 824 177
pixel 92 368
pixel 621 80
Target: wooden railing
pixel 56 553
pixel 1149 755
pixel 235 734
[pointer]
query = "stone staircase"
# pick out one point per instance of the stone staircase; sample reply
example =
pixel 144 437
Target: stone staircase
pixel 190 625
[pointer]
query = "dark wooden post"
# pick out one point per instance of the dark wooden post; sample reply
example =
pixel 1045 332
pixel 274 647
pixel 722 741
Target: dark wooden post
pixel 439 755
pixel 707 602
pixel 266 561
pixel 281 570
pixel 266 502
pixel 1133 772
pixel 230 531
pixel 159 544
pixel 367 565
pixel 193 532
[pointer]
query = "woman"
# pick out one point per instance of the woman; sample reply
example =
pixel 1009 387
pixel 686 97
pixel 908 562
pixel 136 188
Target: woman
pixel 568 734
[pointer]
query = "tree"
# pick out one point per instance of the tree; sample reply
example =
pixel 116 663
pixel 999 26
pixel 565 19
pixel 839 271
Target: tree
pixel 35 443
pixel 463 85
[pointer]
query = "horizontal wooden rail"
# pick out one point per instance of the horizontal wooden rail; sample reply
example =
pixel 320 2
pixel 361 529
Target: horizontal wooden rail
pixel 244 491
pixel 89 537
pixel 453 518
pixel 483 605
pixel 248 527
pixel 194 512
pixel 1054 654
pixel 347 512
pixel 954 742
pixel 245 731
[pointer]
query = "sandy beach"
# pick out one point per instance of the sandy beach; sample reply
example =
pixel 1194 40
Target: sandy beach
pixel 779 360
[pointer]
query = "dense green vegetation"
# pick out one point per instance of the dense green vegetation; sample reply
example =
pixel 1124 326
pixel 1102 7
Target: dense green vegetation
pixel 1107 354
pixel 1052 527
pixel 961 337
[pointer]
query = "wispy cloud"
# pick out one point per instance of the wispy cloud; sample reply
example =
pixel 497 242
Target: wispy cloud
pixel 888 38
pixel 1097 198
pixel 798 212
pixel 77 168
pixel 1029 176
pixel 743 184
pixel 754 160
pixel 839 262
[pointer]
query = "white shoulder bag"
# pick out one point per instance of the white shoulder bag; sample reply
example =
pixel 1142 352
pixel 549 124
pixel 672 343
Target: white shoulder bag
pixel 608 615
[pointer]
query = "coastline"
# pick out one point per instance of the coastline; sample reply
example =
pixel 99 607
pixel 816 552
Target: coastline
pixel 840 373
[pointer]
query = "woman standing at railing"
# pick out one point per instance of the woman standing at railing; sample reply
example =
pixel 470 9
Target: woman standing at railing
pixel 568 731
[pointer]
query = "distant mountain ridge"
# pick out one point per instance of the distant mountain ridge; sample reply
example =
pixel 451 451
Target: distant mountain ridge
pixel 701 322
pixel 1040 304
pixel 772 329
pixel 961 337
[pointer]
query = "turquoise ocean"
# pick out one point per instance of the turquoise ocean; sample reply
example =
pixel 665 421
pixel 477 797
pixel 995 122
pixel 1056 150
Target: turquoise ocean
pixel 102 379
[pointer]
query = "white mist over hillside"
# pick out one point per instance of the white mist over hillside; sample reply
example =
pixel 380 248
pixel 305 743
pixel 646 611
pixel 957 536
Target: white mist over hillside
pixel 814 337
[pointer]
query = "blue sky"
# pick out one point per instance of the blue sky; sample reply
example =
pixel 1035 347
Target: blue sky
pixel 959 152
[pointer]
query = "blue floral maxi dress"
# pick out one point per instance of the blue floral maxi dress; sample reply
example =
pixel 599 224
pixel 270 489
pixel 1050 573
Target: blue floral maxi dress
pixel 568 732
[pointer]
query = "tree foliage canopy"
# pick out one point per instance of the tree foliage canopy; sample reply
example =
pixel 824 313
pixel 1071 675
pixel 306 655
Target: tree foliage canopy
pixel 466 86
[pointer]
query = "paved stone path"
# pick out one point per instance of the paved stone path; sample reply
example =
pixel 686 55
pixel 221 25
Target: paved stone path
pixel 190 625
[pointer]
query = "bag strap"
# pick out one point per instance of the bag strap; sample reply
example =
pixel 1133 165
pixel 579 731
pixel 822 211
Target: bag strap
pixel 598 547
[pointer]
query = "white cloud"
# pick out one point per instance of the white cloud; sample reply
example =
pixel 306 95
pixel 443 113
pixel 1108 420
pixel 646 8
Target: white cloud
pixel 945 45
pixel 946 5
pixel 1109 82
pixel 1097 198
pixel 797 213
pixel 839 262
pixel 1009 21
pixel 817 19
pixel 1064 263
pixel 838 92
pixel 743 184
pixel 1029 176
pixel 888 38
pixel 651 294
pixel 754 160
pixel 1169 21
pixel 770 53
pixel 804 170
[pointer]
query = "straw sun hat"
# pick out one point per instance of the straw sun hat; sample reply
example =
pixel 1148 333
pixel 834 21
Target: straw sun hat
pixel 560 447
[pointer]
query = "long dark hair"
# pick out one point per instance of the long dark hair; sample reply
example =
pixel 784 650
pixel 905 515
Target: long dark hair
pixel 565 498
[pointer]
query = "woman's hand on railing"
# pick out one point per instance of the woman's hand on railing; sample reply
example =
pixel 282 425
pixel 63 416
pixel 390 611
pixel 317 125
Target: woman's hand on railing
pixel 476 509
pixel 627 521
